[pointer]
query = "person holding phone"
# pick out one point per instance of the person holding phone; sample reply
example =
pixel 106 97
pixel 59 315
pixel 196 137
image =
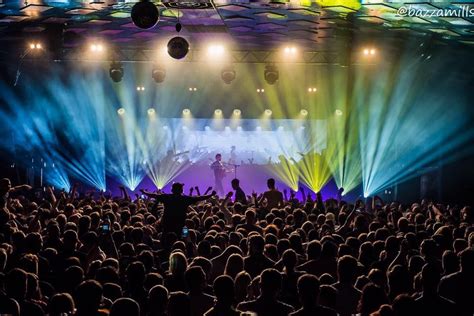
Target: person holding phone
pixel 175 207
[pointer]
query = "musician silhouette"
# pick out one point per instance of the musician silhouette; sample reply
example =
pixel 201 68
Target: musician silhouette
pixel 219 174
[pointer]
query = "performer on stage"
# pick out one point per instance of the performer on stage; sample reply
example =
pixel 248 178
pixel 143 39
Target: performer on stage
pixel 219 174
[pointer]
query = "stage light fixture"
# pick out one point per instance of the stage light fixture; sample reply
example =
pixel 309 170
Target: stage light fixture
pixel 369 51
pixel 186 111
pixel 36 46
pixel 145 14
pixel 228 74
pixel 271 74
pixel 158 73
pixel 338 112
pixel 121 111
pixel 218 112
pixel 151 111
pixel 304 112
pixel 215 50
pixel 237 112
pixel 96 47
pixel 178 47
pixel 268 112
pixel 290 50
pixel 116 71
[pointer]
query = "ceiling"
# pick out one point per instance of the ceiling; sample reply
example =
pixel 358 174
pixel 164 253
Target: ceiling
pixel 243 24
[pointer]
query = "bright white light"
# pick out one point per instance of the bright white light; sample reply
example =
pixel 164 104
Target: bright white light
pixel 194 89
pixel 151 111
pixel 215 50
pixel 121 111
pixel 96 47
pixel 268 112
pixel 338 112
pixel 372 51
pixel 186 111
pixel 312 89
pixel 237 112
pixel 140 88
pixel 290 50
pixel 35 46
pixel 218 112
pixel 304 112
pixel 366 51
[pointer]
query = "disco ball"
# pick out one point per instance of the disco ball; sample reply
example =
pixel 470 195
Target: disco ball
pixel 178 47
pixel 145 15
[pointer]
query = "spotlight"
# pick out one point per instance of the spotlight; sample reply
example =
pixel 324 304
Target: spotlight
pixel 228 74
pixel 96 47
pixel 268 112
pixel 116 71
pixel 290 50
pixel 304 112
pixel 192 89
pixel 369 51
pixel 215 50
pixel 121 111
pixel 312 89
pixel 145 15
pixel 36 46
pixel 218 112
pixel 237 112
pixel 140 88
pixel 260 90
pixel 158 74
pixel 186 111
pixel 271 74
pixel 151 111
pixel 178 47
pixel 338 112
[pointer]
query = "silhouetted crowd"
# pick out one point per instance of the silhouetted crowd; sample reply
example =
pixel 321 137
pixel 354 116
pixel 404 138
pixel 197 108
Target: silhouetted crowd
pixel 157 253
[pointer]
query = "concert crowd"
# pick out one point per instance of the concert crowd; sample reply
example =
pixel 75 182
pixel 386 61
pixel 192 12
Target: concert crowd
pixel 183 253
